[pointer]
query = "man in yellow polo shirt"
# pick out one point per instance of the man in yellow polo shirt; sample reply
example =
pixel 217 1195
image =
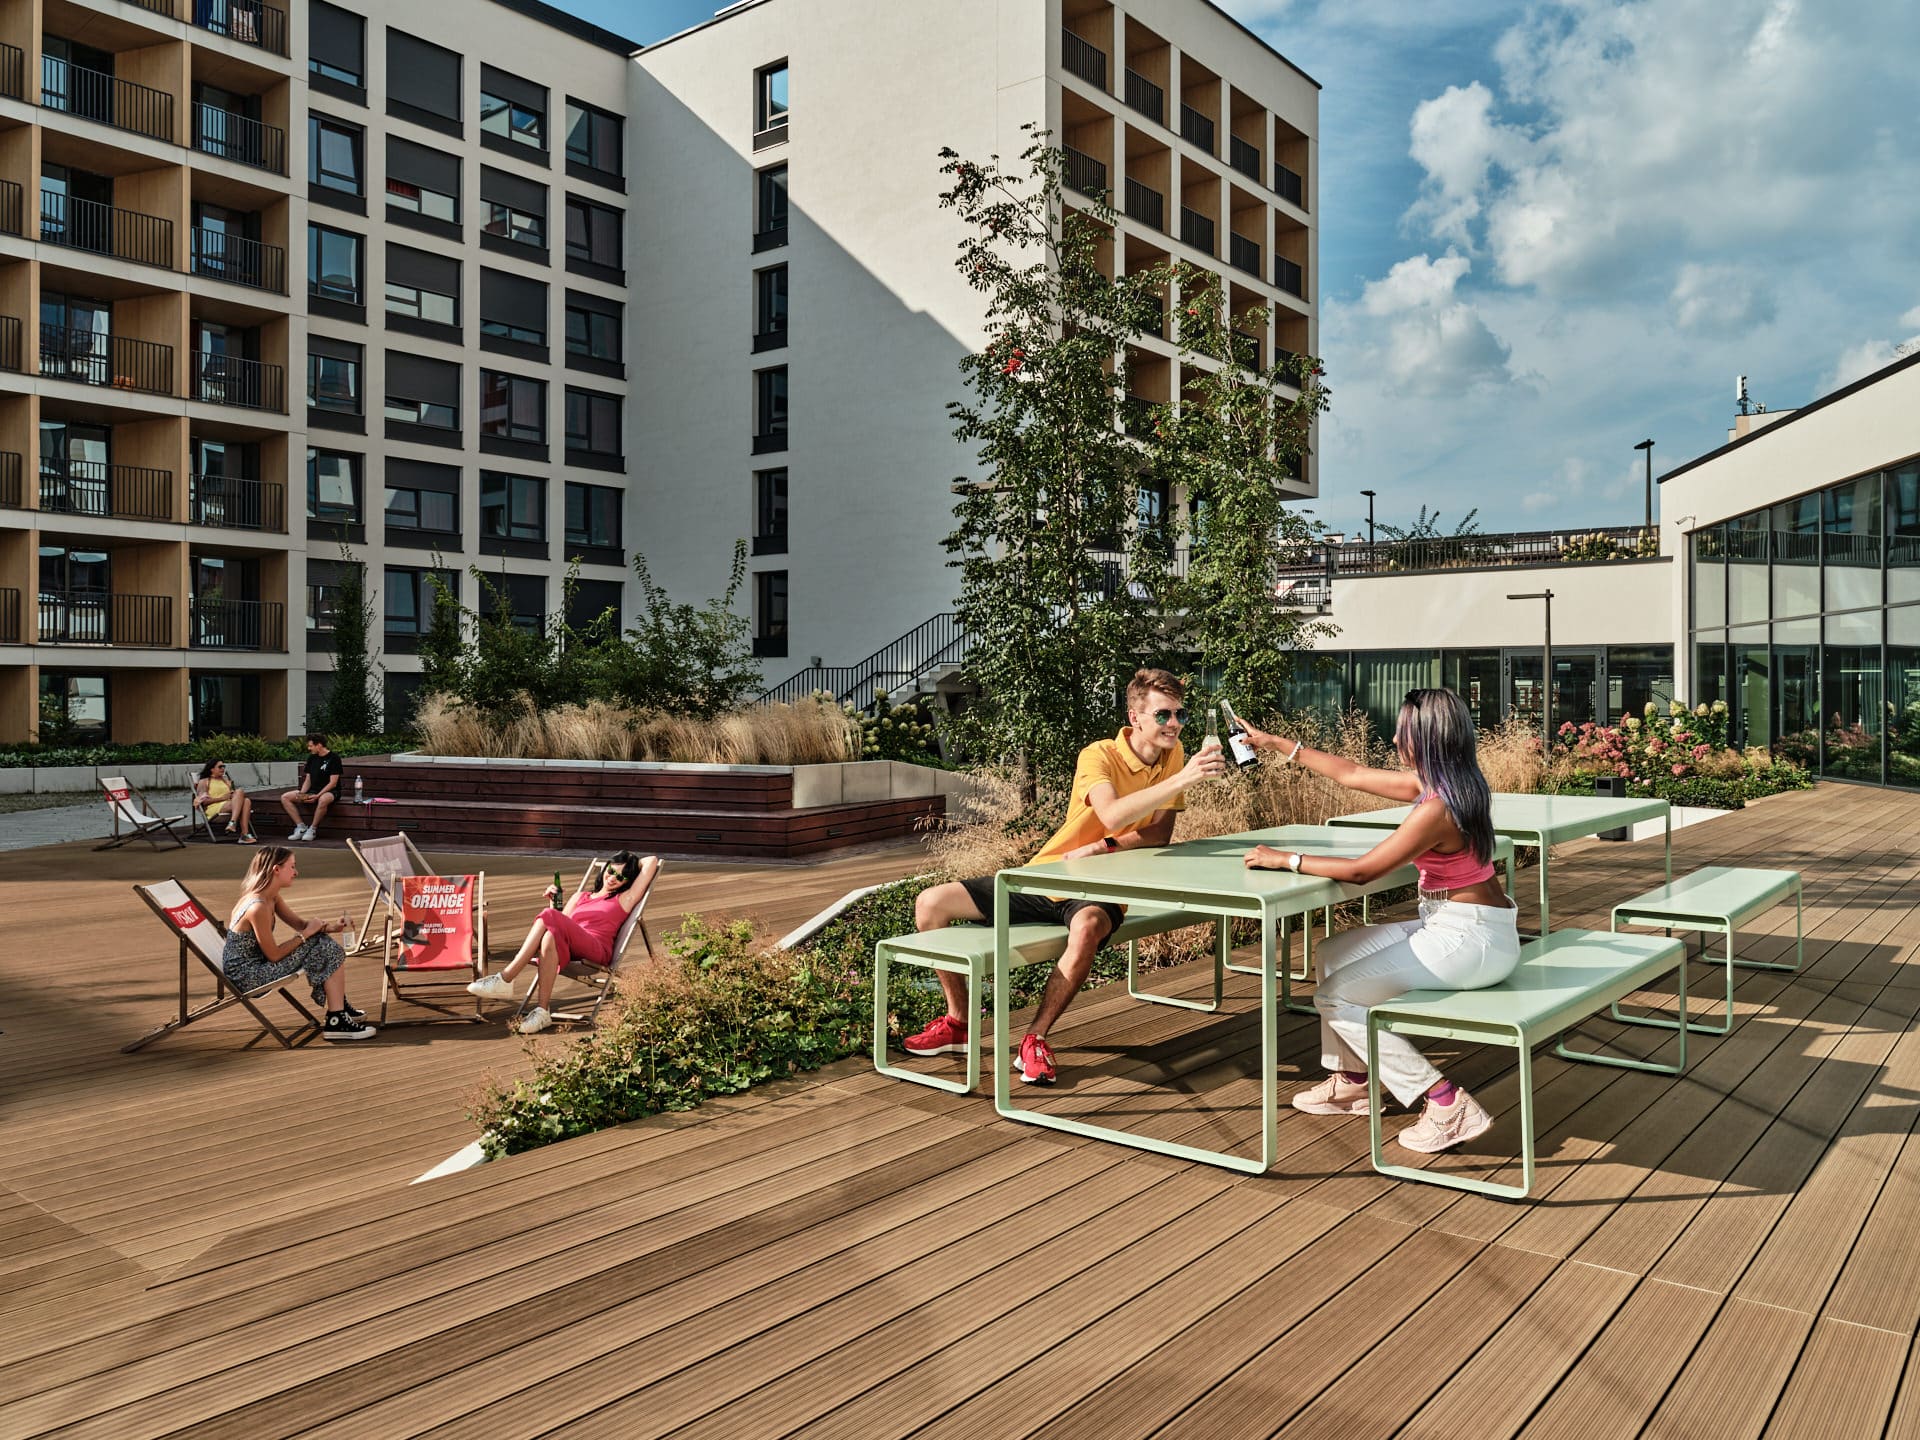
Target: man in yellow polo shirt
pixel 1126 792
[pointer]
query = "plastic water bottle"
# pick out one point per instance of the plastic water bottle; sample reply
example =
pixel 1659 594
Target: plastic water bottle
pixel 359 791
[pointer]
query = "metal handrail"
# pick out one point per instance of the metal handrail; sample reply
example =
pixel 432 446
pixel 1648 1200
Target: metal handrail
pixel 1601 544
pixel 12 339
pixel 250 22
pixel 1289 185
pixel 239 138
pixel 221 624
pixel 1146 205
pixel 1146 97
pixel 104 491
pixel 1196 129
pixel 13 490
pixel 1084 58
pixel 1196 230
pixel 1244 157
pixel 229 502
pixel 105 229
pixel 232 380
pixel 938 641
pixel 95 358
pixel 1289 276
pixel 13 71
pixel 97 617
pixel 96 95
pixel 9 616
pixel 1084 173
pixel 220 255
pixel 1244 254
pixel 13 207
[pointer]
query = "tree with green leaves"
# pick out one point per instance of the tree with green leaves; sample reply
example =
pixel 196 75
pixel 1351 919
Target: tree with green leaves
pixel 696 659
pixel 352 705
pixel 1233 440
pixel 1057 581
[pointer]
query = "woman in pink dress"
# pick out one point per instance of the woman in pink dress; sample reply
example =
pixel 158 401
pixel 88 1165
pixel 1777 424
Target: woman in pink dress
pixel 585 930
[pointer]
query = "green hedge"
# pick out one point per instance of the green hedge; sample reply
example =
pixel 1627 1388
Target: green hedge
pixel 234 749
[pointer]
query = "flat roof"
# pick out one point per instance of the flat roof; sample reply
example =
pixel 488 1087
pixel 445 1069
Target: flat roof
pixel 572 25
pixel 1905 362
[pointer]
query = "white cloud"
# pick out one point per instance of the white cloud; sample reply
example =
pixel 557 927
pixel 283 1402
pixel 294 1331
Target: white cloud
pixel 1717 299
pixel 1428 341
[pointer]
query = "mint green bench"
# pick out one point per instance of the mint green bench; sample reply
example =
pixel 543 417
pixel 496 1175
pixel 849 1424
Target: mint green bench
pixel 1562 979
pixel 1716 899
pixel 968 950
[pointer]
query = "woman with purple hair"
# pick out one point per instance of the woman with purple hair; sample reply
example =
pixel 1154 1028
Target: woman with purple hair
pixel 1465 938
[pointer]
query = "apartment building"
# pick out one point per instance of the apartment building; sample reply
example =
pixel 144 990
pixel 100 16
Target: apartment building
pixel 545 313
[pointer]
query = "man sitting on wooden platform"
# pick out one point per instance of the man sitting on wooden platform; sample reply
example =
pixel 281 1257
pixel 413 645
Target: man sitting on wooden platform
pixel 1126 792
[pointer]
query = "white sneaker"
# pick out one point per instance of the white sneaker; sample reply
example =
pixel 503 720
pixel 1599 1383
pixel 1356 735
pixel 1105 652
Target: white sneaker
pixel 299 833
pixel 492 987
pixel 535 1020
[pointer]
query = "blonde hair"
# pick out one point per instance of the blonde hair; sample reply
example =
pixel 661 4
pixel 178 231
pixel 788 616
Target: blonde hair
pixel 266 860
pixel 1145 682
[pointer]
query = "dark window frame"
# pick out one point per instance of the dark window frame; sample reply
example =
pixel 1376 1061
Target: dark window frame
pixel 769 127
pixel 584 162
pixel 770 512
pixel 319 186
pixel 356 482
pixel 767 234
pixel 512 429
pixel 498 491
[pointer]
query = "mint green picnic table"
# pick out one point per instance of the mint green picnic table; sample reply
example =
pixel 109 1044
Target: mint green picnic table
pixel 1206 877
pixel 1543 820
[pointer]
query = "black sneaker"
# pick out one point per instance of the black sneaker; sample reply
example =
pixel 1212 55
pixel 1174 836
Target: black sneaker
pixel 347 1007
pixel 343 1026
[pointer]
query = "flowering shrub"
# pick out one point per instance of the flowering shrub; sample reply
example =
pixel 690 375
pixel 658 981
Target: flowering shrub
pixel 1663 754
pixel 895 732
pixel 1580 549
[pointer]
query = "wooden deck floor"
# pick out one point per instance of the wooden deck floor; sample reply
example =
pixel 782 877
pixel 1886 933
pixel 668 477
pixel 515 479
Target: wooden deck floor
pixel 207 1241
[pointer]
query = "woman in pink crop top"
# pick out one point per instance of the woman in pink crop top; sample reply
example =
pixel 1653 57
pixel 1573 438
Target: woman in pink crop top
pixel 1464 939
pixel 585 930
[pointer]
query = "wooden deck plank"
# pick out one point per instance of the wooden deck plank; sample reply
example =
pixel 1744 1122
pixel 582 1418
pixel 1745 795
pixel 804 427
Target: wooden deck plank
pixel 1880 1284
pixel 1843 1387
pixel 1624 1375
pixel 1728 1386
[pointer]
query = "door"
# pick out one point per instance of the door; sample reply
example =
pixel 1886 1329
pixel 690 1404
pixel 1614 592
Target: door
pixel 74 339
pixel 74 596
pixel 1576 675
pixel 73 468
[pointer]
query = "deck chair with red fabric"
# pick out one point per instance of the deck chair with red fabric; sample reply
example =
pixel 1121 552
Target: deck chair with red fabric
pixel 433 974
pixel 204 939
pixel 384 860
pixel 597 980
pixel 142 821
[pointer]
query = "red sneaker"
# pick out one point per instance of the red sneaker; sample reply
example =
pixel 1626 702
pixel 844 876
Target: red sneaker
pixel 945 1036
pixel 1036 1061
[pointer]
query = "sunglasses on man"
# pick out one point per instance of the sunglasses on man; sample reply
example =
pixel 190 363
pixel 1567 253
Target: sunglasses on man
pixel 1161 717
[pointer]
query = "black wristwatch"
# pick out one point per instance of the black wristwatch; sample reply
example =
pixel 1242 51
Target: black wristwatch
pixel 1111 843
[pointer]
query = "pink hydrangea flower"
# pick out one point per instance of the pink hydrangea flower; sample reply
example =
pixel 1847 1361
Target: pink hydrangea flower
pixel 1679 770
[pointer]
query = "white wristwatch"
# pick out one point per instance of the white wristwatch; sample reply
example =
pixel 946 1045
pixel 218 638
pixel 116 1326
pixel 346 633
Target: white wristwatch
pixel 1293 862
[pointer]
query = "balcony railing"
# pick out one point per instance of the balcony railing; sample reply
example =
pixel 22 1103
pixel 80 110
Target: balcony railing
pixel 1137 416
pixel 10 344
pixel 1196 129
pixel 13 207
pixel 1244 254
pixel 94 617
pixel 1244 157
pixel 10 617
pixel 158 7
pixel 13 492
pixel 96 95
pixel 248 21
pixel 218 624
pixel 1085 174
pixel 1147 206
pixel 1467 552
pixel 1284 360
pixel 1146 97
pixel 230 380
pixel 1246 349
pixel 239 261
pixel 105 229
pixel 228 502
pixel 13 71
pixel 1288 276
pixel 1196 230
pixel 1288 185
pixel 1084 59
pixel 236 137
pixel 106 492
pixel 93 357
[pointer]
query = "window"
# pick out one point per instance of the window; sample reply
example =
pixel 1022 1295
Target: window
pixel 589 600
pixel 593 327
pixel 513 407
pixel 423 290
pixel 522 597
pixel 770 208
pixel 770 410
pixel 333 265
pixel 519 226
pixel 334 156
pixel 769 98
pixel 423 392
pixel 429 76
pixel 333 487
pixel 513 507
pixel 336 47
pixel 593 141
pixel 770 308
pixel 333 376
pixel 423 186
pixel 513 309
pixel 428 306
pixel 411 595
pixel 421 510
pixel 770 613
pixel 593 236
pixel 324 580
pixel 593 516
pixel 593 423
pixel 513 112
pixel 770 512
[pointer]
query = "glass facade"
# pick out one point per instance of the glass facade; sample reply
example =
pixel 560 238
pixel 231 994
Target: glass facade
pixel 1806 620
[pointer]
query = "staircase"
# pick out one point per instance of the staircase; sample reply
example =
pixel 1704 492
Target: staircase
pixel 928 647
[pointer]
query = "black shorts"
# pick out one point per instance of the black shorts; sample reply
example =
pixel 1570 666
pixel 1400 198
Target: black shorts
pixel 1024 908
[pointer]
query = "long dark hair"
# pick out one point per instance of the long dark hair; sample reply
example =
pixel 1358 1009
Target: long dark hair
pixel 628 864
pixel 206 770
pixel 1435 736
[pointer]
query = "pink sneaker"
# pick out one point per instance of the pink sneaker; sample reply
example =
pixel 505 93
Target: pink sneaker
pixel 1036 1061
pixel 945 1036
pixel 1335 1095
pixel 1441 1127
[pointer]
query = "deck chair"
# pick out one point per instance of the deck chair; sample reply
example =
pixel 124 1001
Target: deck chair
pixel 142 821
pixel 203 938
pixel 598 980
pixel 438 986
pixel 383 861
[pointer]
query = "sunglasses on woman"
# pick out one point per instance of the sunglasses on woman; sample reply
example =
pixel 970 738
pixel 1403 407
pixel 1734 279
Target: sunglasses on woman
pixel 1161 717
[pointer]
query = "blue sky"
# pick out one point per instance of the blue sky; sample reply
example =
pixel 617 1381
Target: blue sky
pixel 1552 229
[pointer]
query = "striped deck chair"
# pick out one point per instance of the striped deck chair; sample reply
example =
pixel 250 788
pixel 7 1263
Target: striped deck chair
pixel 203 938
pixel 598 980
pixel 143 822
pixel 383 861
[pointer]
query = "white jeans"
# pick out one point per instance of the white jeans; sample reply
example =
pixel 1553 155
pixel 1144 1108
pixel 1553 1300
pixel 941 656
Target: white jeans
pixel 1452 946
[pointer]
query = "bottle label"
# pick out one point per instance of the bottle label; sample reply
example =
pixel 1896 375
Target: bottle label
pixel 1243 751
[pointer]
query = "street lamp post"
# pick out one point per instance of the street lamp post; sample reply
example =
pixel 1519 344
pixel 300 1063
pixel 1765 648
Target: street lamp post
pixel 1647 446
pixel 1546 672
pixel 1369 494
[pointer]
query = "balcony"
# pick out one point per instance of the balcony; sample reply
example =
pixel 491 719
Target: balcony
pixel 1246 350
pixel 13 493
pixel 1196 230
pixel 227 502
pixel 1085 174
pixel 95 95
pixel 250 22
pixel 10 344
pixel 94 617
pixel 1146 205
pixel 1244 157
pixel 99 491
pixel 105 229
pixel 239 139
pixel 13 71
pixel 1137 417
pixel 1289 186
pixel 1244 254
pixel 1146 97
pixel 220 624
pixel 91 357
pixel 238 261
pixel 9 617
pixel 1288 276
pixel 1285 359
pixel 1196 129
pixel 12 207
pixel 1083 59
pixel 230 380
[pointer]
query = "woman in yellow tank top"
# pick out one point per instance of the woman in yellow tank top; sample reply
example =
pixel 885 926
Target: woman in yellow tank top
pixel 216 796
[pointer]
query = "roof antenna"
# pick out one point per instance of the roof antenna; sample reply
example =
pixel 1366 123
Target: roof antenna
pixel 1740 395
